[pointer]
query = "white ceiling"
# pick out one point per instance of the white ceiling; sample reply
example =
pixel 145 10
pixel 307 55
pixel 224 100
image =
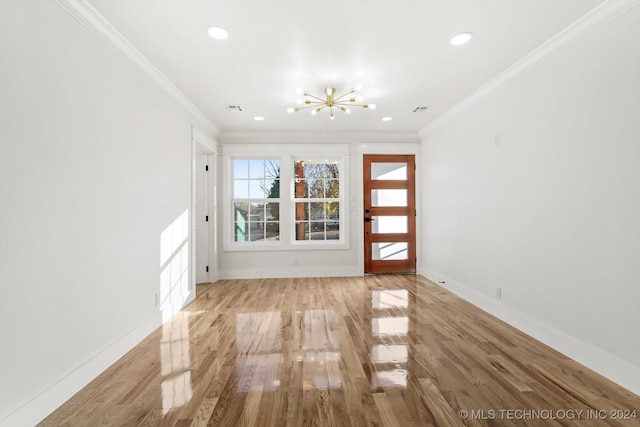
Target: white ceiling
pixel 399 51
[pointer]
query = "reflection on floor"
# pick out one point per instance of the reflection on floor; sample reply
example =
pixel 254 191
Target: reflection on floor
pixel 378 350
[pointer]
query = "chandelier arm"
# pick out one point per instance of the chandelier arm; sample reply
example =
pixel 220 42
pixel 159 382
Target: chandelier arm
pixel 343 95
pixel 313 96
pixel 306 107
pixel 357 105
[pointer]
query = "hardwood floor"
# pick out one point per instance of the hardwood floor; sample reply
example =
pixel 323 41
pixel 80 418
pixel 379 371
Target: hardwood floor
pixel 392 350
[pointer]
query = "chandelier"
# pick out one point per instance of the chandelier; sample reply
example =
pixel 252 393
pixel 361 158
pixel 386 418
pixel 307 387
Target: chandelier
pixel 342 102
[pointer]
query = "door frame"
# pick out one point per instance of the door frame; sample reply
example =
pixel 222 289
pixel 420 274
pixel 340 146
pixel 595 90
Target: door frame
pixel 390 148
pixel 203 143
pixel 407 265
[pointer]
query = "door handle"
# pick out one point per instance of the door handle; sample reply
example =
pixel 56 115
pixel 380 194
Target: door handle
pixel 367 219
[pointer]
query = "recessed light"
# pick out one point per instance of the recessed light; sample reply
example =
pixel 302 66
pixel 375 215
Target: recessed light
pixel 387 119
pixel 461 38
pixel 258 118
pixel 217 33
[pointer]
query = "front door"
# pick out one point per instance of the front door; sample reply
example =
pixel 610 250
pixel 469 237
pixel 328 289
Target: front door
pixel 389 214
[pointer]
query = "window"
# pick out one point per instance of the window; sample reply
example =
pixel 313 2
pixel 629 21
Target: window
pixel 256 200
pixel 289 198
pixel 317 200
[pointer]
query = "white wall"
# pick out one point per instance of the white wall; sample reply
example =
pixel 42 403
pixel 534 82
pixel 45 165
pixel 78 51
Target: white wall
pixel 536 188
pixel 317 262
pixel 95 163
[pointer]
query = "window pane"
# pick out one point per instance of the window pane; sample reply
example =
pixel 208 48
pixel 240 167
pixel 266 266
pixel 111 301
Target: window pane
pixel 317 234
pixel 389 251
pixel 256 211
pixel 273 211
pixel 388 197
pixel 241 168
pixel 315 187
pixel 299 187
pixel 241 189
pixel 302 211
pixel 389 171
pixel 333 210
pixel 332 188
pixel 241 222
pixel 272 188
pixel 316 211
pixel 272 230
pixel 302 230
pixel 256 169
pixel 241 210
pixel 389 224
pixel 256 189
pixel 333 229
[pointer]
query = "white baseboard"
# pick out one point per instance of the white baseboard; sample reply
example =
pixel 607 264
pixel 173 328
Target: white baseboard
pixel 617 370
pixel 39 407
pixel 271 273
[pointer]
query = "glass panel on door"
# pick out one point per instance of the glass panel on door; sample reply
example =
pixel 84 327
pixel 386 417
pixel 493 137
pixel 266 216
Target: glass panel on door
pixel 386 224
pixel 388 171
pixel 388 198
pixel 389 251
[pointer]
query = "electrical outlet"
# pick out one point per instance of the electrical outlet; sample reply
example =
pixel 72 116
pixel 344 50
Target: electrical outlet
pixel 294 261
pixel 498 292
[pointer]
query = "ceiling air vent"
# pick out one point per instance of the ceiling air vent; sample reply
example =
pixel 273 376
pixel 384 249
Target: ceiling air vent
pixel 236 108
pixel 421 109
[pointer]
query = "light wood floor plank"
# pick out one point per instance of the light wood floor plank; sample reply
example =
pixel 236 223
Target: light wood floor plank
pixel 380 350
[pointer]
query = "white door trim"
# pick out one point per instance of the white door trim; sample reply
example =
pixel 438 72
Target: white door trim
pixel 202 143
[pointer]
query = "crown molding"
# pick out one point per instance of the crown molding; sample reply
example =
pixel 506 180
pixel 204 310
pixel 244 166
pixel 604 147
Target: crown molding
pixel 596 18
pixel 82 11
pixel 273 137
